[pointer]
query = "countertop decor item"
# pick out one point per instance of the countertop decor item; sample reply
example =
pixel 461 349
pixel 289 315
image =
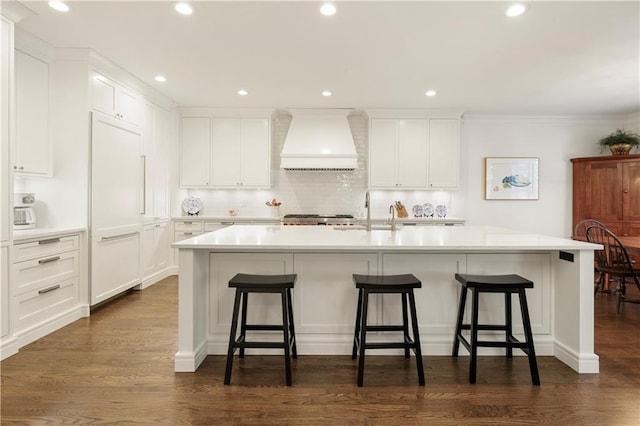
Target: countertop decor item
pixel 620 142
pixel 192 206
pixel 510 178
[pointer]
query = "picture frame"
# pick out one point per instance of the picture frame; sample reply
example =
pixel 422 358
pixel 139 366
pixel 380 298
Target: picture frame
pixel 511 178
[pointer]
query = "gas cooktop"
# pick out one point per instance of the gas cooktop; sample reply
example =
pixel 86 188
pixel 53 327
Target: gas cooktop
pixel 318 219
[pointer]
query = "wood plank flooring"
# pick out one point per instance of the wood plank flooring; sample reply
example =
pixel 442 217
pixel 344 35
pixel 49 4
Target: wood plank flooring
pixel 117 367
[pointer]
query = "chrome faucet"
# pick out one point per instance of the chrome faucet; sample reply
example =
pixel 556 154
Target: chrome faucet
pixel 367 205
pixel 392 211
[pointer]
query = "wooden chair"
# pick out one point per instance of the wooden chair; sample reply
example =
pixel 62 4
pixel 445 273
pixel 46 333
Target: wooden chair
pixel 614 261
pixel 601 281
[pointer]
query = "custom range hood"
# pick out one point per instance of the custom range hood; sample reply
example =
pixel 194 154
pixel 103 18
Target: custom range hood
pixel 319 139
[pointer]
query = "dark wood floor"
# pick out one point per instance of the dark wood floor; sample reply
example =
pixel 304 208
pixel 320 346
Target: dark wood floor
pixel 117 367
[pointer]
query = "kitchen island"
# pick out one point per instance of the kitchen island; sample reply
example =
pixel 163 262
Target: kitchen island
pixel 560 304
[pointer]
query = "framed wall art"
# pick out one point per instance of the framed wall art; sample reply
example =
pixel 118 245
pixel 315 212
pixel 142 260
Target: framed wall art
pixel 510 178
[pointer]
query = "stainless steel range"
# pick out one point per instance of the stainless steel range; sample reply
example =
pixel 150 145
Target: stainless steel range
pixel 319 219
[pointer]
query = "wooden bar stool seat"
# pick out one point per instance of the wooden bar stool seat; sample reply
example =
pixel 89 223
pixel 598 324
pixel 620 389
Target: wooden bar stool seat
pixel 507 284
pixel 245 284
pixel 386 284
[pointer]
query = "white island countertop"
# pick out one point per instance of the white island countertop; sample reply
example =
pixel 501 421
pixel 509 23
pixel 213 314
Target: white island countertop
pixel 321 238
pixel 324 259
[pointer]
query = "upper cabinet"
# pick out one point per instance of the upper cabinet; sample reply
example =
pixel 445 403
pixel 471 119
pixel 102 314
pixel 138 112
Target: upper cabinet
pixel 413 152
pixel 225 150
pixel 195 151
pixel 116 100
pixel 398 153
pixel 444 153
pixel 32 154
pixel 607 189
pixel 241 152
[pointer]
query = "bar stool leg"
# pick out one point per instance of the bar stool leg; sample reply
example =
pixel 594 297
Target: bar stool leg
pixel 294 350
pixel 531 352
pixel 285 331
pixel 508 320
pixel 243 322
pixel 363 337
pixel 405 324
pixel 356 337
pixel 232 338
pixel 473 361
pixel 461 306
pixel 416 337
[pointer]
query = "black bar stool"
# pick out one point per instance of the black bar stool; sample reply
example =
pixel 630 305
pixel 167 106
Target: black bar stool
pixel 507 284
pixel 245 284
pixel 386 284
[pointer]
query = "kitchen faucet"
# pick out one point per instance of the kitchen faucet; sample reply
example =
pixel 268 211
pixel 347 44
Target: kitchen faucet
pixel 367 205
pixel 392 211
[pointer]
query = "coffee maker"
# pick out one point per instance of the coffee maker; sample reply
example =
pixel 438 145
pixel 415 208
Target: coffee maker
pixel 23 215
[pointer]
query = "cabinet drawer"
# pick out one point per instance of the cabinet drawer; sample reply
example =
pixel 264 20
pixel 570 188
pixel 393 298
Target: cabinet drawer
pixel 179 236
pixel 37 306
pixel 188 226
pixel 43 248
pixel 213 226
pixel 36 274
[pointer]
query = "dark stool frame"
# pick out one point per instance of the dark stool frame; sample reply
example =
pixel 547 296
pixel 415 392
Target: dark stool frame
pixel 507 284
pixel 386 284
pixel 245 284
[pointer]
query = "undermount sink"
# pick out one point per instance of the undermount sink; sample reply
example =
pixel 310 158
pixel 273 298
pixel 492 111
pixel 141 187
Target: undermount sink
pixel 364 228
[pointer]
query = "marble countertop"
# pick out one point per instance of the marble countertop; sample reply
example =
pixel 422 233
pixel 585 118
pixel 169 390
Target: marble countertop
pixel 326 238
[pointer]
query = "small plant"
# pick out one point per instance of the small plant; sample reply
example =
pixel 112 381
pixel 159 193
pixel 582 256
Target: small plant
pixel 620 137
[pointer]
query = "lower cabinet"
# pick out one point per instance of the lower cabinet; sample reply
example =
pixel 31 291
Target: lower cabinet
pixel 5 316
pixel 45 277
pixel 263 308
pixel 155 250
pixel 115 264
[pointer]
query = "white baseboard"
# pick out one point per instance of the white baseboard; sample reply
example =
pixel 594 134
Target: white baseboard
pixel 40 330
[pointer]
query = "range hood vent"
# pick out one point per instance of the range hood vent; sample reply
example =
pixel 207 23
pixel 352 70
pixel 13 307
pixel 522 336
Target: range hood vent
pixel 319 139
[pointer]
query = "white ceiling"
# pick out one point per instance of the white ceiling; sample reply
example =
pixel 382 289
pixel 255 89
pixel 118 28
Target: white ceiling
pixel 558 58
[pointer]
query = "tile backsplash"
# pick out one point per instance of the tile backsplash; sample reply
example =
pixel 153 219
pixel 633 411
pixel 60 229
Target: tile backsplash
pixel 314 191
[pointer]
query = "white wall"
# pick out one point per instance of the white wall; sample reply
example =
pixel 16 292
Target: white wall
pixel 554 141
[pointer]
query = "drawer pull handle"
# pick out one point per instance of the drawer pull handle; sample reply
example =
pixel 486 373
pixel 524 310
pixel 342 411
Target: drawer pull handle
pixel 47 290
pixel 188 223
pixel 227 223
pixel 51 259
pixel 49 241
pixel 188 233
pixel 115 237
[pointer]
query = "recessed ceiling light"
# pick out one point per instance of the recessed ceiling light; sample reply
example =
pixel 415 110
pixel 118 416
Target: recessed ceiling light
pixel 328 9
pixel 160 78
pixel 516 10
pixel 58 5
pixel 242 92
pixel 184 8
pixel 327 93
pixel 431 93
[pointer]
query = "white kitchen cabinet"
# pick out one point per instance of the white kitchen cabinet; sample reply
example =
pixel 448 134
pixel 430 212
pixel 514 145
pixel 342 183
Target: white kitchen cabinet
pixel 115 100
pixel 263 308
pixel 155 159
pixel 32 154
pixel 45 286
pixel 5 317
pixel 6 92
pixel 116 173
pixel 444 153
pixel 155 248
pixel 320 275
pixel 436 271
pixel 115 263
pixel 195 152
pixel 398 153
pixel 241 153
